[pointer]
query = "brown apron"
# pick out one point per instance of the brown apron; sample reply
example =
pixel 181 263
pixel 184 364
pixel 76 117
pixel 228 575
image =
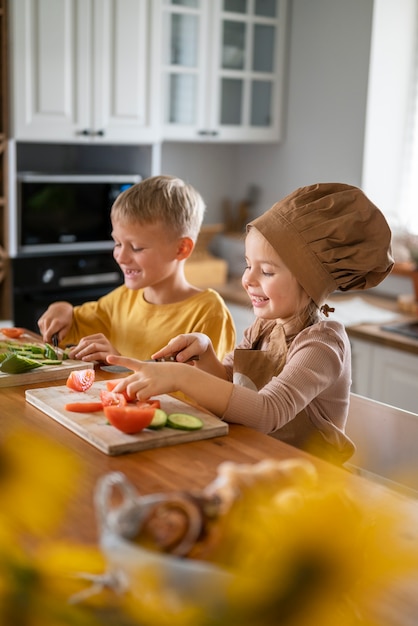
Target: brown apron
pixel 256 366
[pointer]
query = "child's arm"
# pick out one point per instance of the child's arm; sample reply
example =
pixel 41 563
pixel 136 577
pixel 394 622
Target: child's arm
pixel 153 379
pixel 57 319
pixel 186 346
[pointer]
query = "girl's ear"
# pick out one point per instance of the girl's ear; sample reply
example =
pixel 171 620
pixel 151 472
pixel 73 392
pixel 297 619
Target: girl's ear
pixel 185 248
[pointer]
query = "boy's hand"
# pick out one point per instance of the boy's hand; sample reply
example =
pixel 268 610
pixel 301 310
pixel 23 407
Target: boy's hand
pixel 92 348
pixel 56 320
pixel 184 347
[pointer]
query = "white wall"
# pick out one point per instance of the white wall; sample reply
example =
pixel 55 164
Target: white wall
pixel 325 108
pixel 392 67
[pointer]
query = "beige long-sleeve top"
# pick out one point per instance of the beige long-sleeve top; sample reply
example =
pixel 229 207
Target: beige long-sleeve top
pixel 315 379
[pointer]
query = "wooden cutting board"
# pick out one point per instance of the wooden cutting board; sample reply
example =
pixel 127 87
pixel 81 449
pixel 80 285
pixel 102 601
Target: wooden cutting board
pixel 94 428
pixel 41 374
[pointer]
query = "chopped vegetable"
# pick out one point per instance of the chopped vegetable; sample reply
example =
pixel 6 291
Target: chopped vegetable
pixel 111 384
pixel 12 333
pixel 153 403
pixel 81 380
pixel 84 407
pixel 50 352
pixel 130 419
pixel 112 398
pixel 44 354
pixel 183 421
pixel 159 420
pixel 16 364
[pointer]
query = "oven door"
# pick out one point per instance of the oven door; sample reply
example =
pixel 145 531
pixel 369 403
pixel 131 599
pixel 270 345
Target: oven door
pixel 39 281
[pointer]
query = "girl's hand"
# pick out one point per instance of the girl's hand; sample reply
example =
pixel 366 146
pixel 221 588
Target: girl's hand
pixel 150 379
pixel 92 348
pixel 184 347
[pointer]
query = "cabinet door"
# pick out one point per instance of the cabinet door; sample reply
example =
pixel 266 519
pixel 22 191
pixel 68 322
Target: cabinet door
pixel 185 67
pixel 394 378
pixel 51 68
pixel 223 68
pixel 123 106
pixel 361 367
pixel 80 71
pixel 247 78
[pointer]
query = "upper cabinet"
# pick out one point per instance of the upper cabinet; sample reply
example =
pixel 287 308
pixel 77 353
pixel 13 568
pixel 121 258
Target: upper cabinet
pixel 141 71
pixel 81 71
pixel 222 69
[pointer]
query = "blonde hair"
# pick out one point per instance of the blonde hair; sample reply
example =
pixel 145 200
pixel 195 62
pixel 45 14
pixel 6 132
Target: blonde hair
pixel 162 198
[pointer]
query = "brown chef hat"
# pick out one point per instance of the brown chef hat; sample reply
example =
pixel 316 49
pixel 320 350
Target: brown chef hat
pixel 331 237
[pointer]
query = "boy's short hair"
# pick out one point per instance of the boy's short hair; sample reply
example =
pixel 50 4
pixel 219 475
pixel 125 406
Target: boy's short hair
pixel 162 198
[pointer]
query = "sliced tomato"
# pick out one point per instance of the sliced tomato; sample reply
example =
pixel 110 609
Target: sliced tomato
pixel 112 398
pixel 130 419
pixel 81 380
pixel 143 404
pixel 84 407
pixel 111 384
pixel 12 333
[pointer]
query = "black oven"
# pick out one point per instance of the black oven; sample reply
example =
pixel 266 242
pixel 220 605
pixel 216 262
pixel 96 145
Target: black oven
pixel 61 244
pixel 39 280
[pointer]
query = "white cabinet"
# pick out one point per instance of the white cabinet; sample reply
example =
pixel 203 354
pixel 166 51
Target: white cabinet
pixel 222 69
pixel 81 71
pixel 385 374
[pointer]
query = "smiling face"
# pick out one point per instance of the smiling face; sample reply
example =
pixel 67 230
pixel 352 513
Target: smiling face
pixel 273 290
pixel 148 254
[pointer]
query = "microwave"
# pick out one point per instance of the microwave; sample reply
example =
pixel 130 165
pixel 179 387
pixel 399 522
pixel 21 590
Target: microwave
pixel 66 212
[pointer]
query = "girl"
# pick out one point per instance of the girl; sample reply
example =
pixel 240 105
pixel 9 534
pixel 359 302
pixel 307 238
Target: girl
pixel 291 374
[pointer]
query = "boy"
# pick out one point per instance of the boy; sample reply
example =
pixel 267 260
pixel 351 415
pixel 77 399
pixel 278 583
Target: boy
pixel 155 227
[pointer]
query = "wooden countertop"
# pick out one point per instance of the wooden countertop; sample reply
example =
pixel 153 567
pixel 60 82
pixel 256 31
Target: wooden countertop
pixel 155 470
pixel 162 469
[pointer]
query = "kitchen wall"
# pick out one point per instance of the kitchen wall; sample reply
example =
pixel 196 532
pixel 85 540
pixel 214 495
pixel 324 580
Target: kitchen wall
pixel 325 109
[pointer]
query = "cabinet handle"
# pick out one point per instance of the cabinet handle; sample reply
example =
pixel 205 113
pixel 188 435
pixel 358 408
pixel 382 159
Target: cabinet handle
pixel 211 133
pixel 90 133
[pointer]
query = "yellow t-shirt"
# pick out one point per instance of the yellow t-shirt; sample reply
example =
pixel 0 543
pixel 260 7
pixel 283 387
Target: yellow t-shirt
pixel 137 328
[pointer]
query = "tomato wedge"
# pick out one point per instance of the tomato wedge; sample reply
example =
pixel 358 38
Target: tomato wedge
pixel 143 404
pixel 12 333
pixel 81 380
pixel 84 407
pixel 130 419
pixel 112 398
pixel 111 384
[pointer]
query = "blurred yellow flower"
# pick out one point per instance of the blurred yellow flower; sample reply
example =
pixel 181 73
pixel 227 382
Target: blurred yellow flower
pixel 307 553
pixel 30 468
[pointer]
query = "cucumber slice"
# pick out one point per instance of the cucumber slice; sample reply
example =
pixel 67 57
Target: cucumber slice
pixel 184 421
pixel 15 364
pixel 50 352
pixel 50 362
pixel 159 420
